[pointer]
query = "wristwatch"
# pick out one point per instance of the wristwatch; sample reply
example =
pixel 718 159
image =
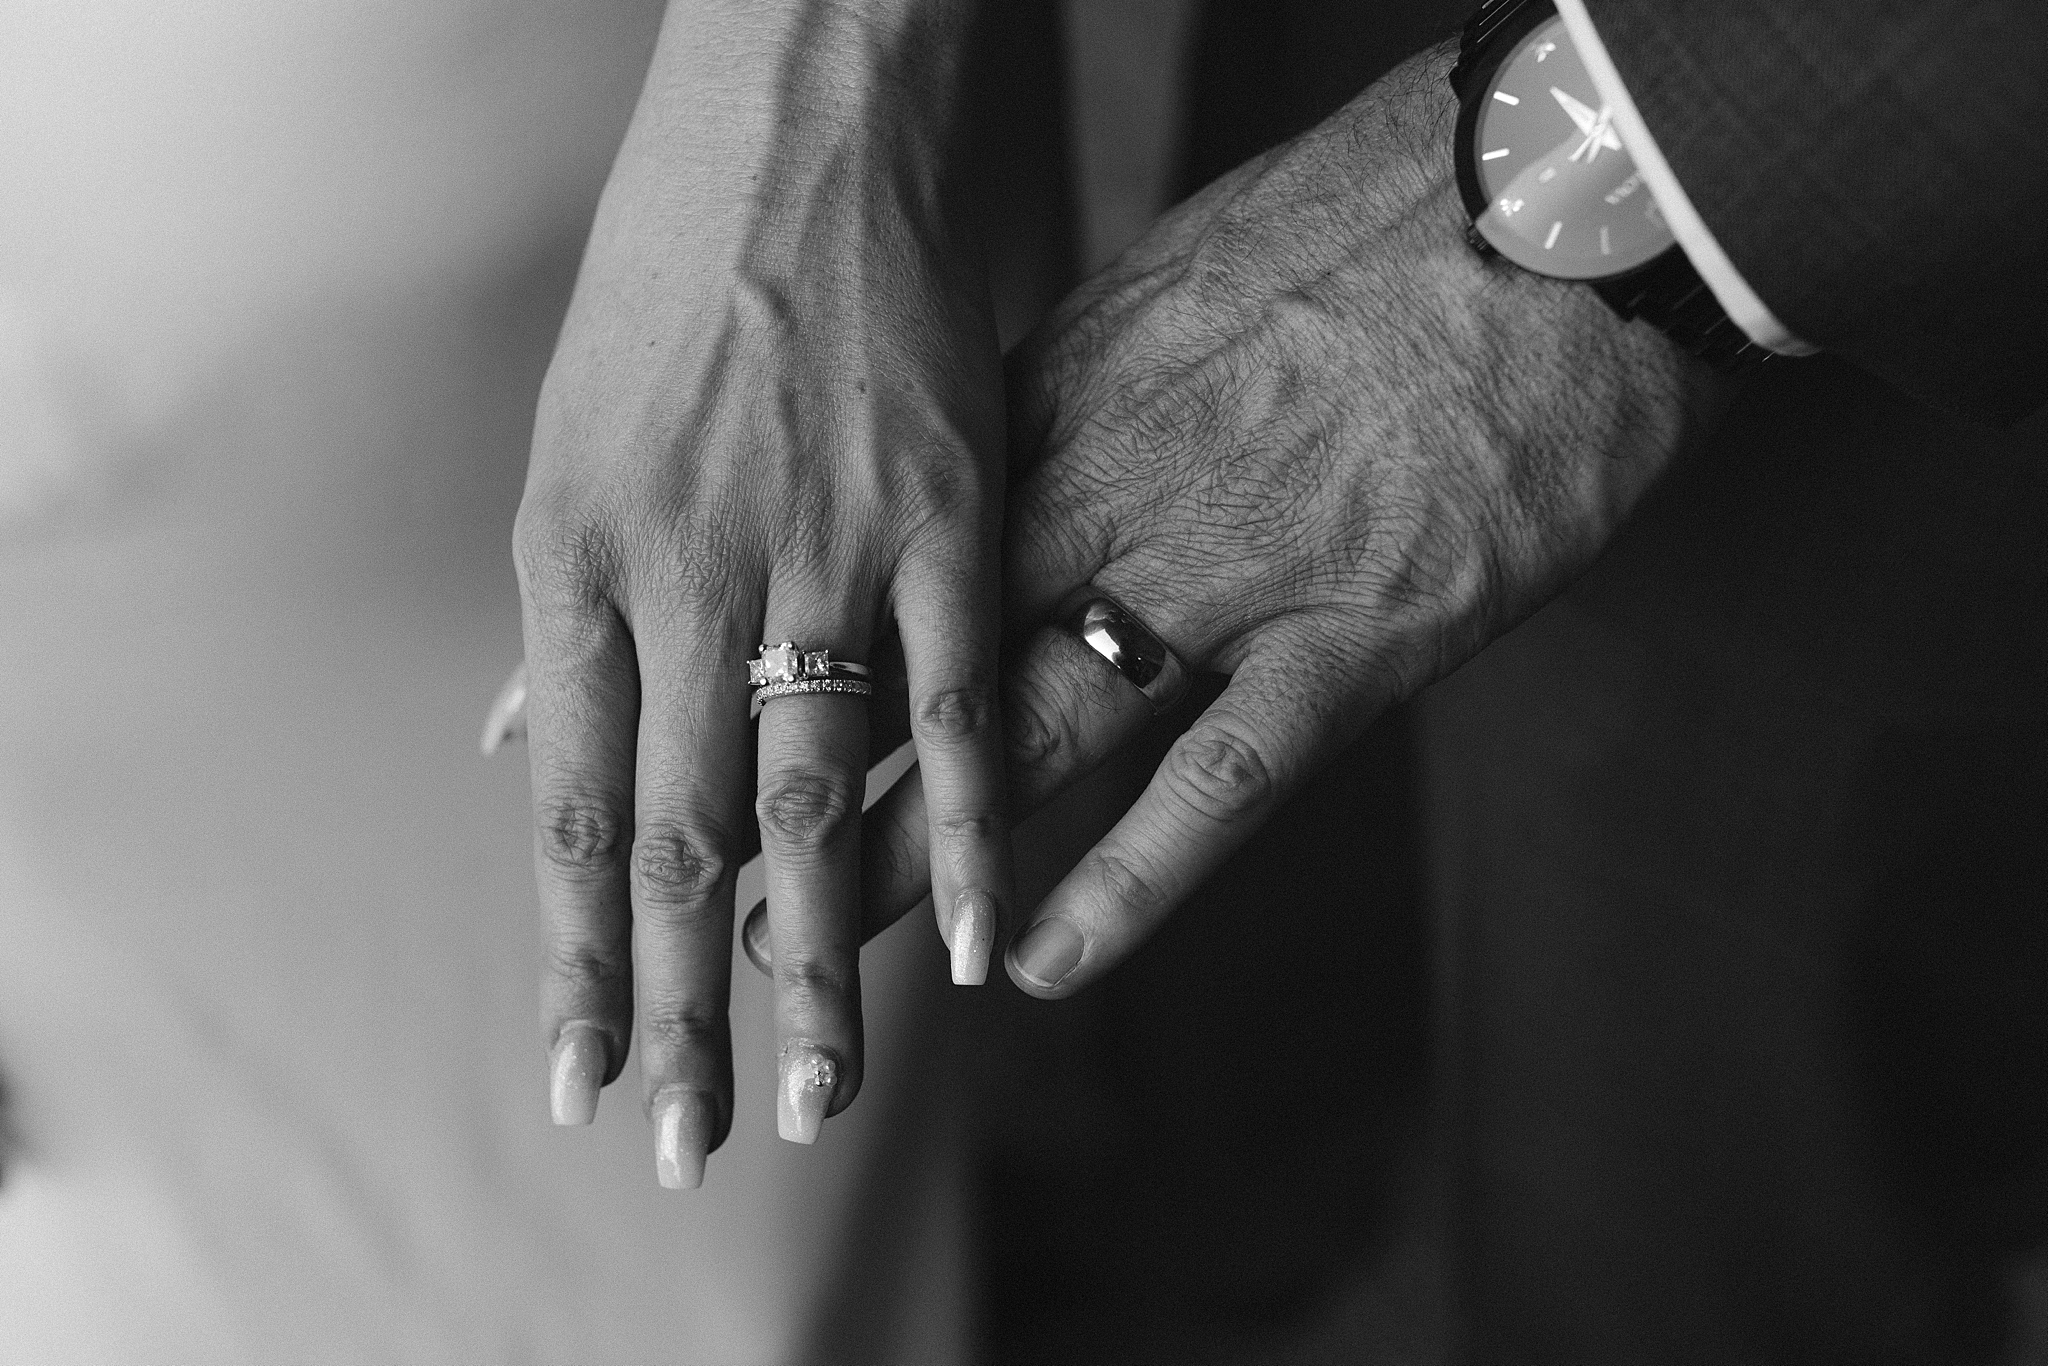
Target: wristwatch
pixel 1550 187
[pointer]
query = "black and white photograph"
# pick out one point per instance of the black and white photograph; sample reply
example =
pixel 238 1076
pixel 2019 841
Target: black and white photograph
pixel 1024 683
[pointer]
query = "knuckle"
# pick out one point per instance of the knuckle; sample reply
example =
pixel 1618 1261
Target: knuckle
pixel 1036 729
pixel 681 1028
pixel 970 828
pixel 1127 886
pixel 803 808
pixel 675 865
pixel 813 984
pixel 955 713
pixel 1031 740
pixel 1217 773
pixel 589 964
pixel 579 836
pixel 558 553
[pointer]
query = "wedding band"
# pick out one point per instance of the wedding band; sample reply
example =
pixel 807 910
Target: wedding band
pixel 785 663
pixel 768 692
pixel 1140 656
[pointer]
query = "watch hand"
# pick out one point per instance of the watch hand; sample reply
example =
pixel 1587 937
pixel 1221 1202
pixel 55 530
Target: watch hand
pixel 1600 135
pixel 1597 127
pixel 1582 116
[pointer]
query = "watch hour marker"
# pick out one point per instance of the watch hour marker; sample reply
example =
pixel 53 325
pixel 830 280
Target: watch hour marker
pixel 1495 155
pixel 1505 98
pixel 1551 241
pixel 1605 250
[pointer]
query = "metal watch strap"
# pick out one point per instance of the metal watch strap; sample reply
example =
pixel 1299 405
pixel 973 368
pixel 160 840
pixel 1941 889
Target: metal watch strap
pixel 1667 293
pixel 1670 295
pixel 1490 18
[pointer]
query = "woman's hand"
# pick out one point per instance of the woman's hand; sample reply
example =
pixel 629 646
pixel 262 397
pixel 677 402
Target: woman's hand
pixel 1313 441
pixel 775 413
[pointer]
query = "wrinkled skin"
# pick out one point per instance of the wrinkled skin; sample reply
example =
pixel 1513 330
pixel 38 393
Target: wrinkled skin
pixel 1318 444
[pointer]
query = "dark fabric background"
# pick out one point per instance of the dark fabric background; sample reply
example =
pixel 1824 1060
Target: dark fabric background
pixel 1744 842
pixel 1873 169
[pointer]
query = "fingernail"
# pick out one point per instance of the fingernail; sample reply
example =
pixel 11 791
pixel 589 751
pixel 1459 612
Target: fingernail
pixel 974 935
pixel 575 1072
pixel 754 939
pixel 683 1120
pixel 1048 952
pixel 810 1074
pixel 507 719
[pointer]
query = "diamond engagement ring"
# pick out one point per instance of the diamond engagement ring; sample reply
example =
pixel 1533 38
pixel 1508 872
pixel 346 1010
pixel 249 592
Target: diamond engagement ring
pixel 786 671
pixel 785 663
pixel 1141 657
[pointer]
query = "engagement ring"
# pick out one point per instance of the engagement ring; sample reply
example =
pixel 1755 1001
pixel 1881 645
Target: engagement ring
pixel 785 663
pixel 787 671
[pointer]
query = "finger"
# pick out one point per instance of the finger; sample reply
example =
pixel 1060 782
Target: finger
pixel 1065 711
pixel 583 703
pixel 691 837
pixel 1219 781
pixel 812 756
pixel 949 622
pixel 893 828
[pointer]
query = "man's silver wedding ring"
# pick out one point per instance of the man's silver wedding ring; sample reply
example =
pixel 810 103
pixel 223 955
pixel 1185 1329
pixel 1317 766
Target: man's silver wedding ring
pixel 1104 626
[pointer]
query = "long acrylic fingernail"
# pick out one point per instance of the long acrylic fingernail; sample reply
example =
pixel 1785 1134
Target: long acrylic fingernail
pixel 575 1072
pixel 754 939
pixel 810 1074
pixel 1047 952
pixel 683 1121
pixel 507 718
pixel 974 936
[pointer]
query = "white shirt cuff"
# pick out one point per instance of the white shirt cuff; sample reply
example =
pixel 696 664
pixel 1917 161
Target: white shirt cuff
pixel 1736 298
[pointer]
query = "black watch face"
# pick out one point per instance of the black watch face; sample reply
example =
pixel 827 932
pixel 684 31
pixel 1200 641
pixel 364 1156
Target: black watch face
pixel 1564 197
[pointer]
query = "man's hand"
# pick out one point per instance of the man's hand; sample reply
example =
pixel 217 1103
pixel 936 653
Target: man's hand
pixel 774 414
pixel 1315 442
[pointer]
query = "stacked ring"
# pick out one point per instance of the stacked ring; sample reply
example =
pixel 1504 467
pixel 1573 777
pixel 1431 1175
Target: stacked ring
pixel 786 671
pixel 855 687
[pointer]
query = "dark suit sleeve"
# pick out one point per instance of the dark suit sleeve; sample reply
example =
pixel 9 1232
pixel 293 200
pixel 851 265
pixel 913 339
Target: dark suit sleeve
pixel 1877 171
